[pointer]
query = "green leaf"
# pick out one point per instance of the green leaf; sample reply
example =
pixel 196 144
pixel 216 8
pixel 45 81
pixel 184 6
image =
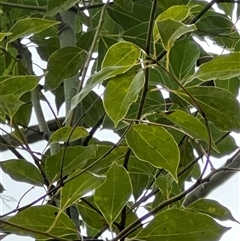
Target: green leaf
pixel 123 54
pixel 178 225
pixel 79 186
pixel 54 7
pixel 18 85
pixel 155 145
pixel 125 4
pixel 3 35
pixel 119 59
pixel 75 158
pixel 213 101
pixel 40 218
pixel 22 171
pixel 221 67
pixel 9 104
pixel 63 134
pixel 231 84
pixel 182 57
pixel 212 208
pixel 113 195
pixel 64 64
pixel 120 93
pixel 188 123
pixel 170 31
pixel 28 26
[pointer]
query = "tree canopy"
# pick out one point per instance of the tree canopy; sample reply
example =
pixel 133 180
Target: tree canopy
pixel 172 104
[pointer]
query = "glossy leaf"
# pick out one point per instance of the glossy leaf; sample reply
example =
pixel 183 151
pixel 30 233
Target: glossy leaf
pixel 221 67
pixel 171 30
pixel 120 93
pixel 40 218
pixel 75 158
pixel 212 208
pixel 63 64
pixel 213 102
pixel 178 225
pixel 79 186
pixel 113 195
pixel 155 145
pixel 28 26
pixel 22 171
pixel 66 133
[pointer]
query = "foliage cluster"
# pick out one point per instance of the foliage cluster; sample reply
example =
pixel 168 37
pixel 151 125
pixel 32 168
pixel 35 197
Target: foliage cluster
pixel 143 47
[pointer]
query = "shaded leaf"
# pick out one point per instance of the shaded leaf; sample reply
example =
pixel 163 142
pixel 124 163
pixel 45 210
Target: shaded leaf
pixel 63 64
pixel 40 218
pixel 113 195
pixel 213 102
pixel 54 7
pixel 178 225
pixel 125 4
pixel 79 186
pixel 155 145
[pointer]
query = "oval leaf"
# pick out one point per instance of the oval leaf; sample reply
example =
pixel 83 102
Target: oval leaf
pixel 64 64
pixel 155 145
pixel 22 171
pixel 178 225
pixel 120 93
pixel 113 195
pixel 219 105
pixel 64 133
pixel 28 26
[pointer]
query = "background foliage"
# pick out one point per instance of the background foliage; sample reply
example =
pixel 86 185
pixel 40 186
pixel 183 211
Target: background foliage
pixel 134 50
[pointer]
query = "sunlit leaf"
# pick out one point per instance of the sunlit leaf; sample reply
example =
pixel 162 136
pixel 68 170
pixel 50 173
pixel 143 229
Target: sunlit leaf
pixel 28 26
pixel 120 93
pixel 212 208
pixel 155 145
pixel 112 196
pixel 68 133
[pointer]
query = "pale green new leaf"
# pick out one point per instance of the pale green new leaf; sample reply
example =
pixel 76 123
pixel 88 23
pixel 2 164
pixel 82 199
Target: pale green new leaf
pixel 212 208
pixel 22 171
pixel 28 26
pixel 54 7
pixel 120 93
pixel 64 64
pixel 179 225
pixel 220 106
pixel 171 30
pixel 221 67
pixel 18 85
pixel 40 218
pixel 63 134
pixel 75 158
pixel 113 195
pixel 78 187
pixel 155 145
